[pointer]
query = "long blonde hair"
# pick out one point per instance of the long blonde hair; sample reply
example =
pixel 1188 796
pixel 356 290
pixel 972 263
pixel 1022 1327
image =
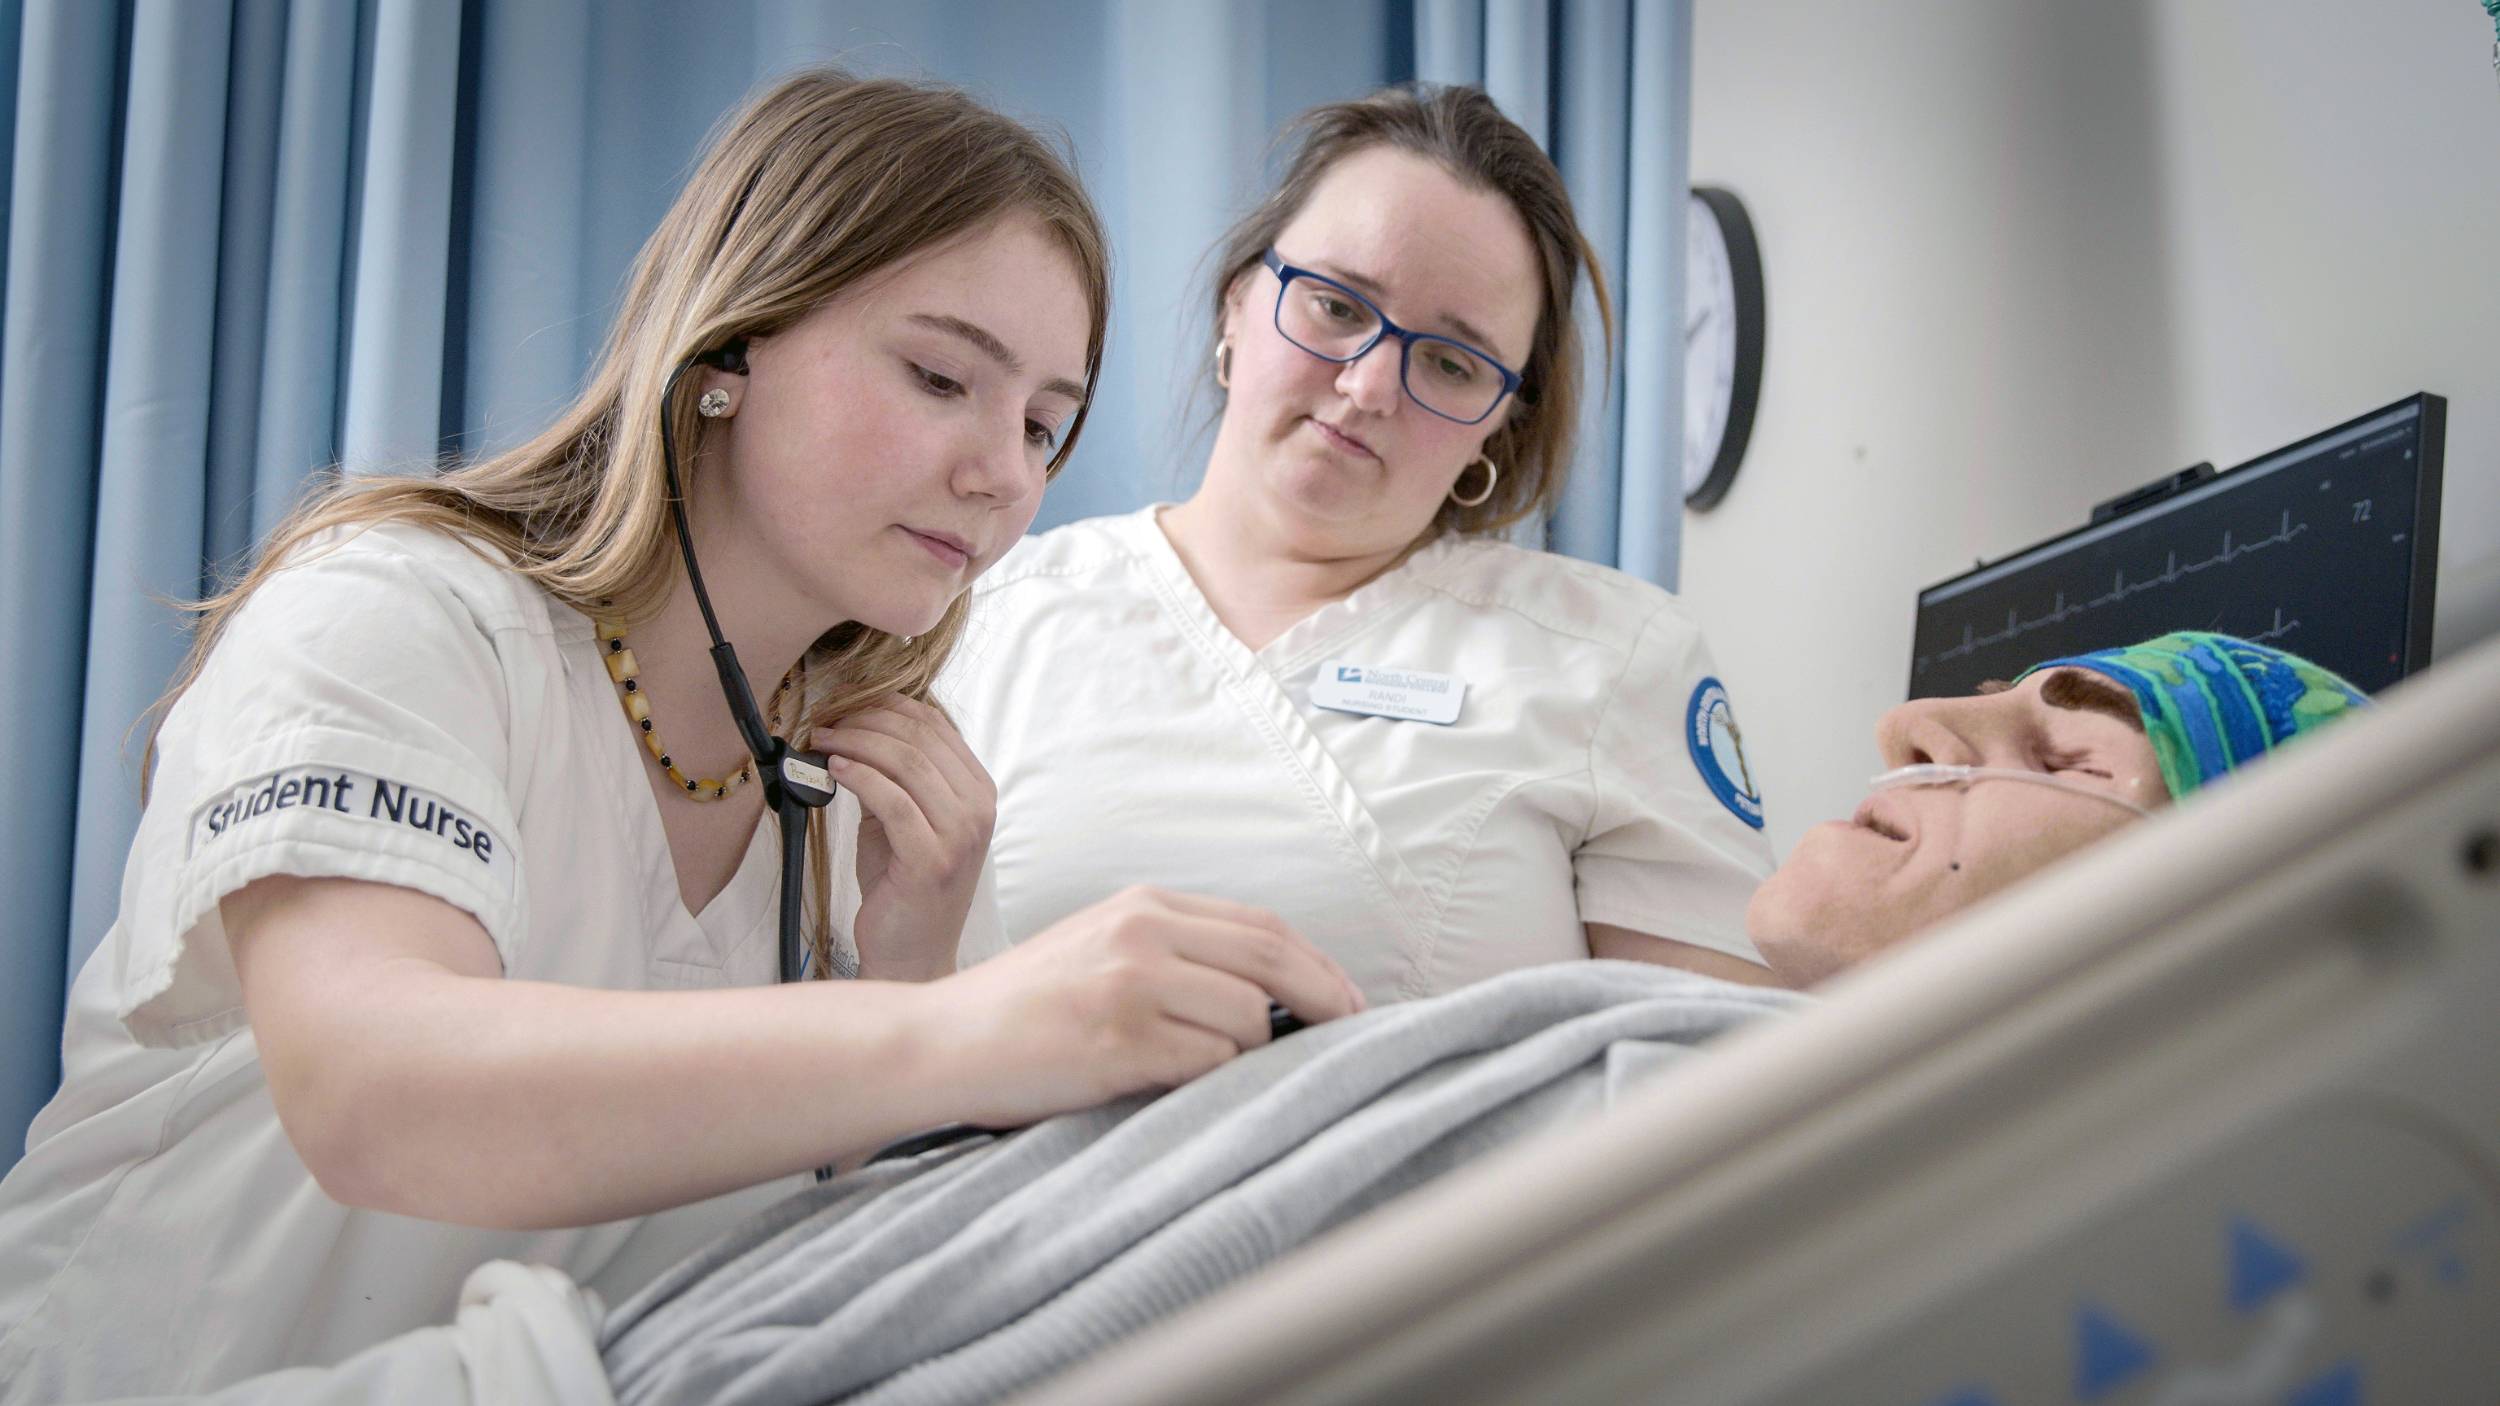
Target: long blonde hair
pixel 817 183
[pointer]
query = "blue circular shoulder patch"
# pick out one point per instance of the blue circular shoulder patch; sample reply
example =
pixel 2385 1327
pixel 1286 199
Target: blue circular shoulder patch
pixel 1718 748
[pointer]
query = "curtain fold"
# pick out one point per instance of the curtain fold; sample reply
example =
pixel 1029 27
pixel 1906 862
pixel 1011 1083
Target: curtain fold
pixel 1602 84
pixel 304 319
pixel 247 230
pixel 12 24
pixel 150 484
pixel 1178 143
pixel 1591 145
pixel 1519 63
pixel 1650 534
pixel 392 419
pixel 532 322
pixel 248 239
pixel 51 391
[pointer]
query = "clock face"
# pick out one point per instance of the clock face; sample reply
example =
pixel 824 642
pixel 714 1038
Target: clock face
pixel 1723 315
pixel 1710 314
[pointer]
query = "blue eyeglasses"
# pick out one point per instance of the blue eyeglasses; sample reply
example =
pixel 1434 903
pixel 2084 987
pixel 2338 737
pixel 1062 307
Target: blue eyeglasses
pixel 1334 323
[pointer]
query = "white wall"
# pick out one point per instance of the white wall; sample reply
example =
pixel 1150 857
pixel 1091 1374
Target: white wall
pixel 2334 176
pixel 2023 254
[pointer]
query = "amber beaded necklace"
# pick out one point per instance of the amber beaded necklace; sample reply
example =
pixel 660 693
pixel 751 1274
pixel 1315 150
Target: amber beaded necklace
pixel 619 658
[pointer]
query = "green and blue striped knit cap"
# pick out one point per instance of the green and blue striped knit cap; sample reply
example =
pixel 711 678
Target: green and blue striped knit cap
pixel 2214 702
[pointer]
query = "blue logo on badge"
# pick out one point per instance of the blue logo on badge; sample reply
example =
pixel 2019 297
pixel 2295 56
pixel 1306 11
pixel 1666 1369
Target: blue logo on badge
pixel 1718 748
pixel 1349 674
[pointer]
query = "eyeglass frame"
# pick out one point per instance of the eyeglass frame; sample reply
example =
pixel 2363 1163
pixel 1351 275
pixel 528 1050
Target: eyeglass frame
pixel 1512 381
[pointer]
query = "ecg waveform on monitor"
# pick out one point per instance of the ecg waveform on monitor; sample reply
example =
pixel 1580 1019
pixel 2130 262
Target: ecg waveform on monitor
pixel 2278 630
pixel 2173 572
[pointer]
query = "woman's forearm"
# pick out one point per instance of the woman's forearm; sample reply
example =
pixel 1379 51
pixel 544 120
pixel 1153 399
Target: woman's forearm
pixel 413 1076
pixel 527 1104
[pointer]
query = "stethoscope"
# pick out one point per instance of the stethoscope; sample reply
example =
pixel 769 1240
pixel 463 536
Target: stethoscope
pixel 795 779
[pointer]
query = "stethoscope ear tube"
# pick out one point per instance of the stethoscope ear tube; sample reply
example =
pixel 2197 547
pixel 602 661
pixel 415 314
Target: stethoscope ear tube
pixel 793 888
pixel 795 785
pixel 795 780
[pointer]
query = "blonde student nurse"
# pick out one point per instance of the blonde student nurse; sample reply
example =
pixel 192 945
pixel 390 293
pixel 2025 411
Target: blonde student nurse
pixel 1324 683
pixel 450 931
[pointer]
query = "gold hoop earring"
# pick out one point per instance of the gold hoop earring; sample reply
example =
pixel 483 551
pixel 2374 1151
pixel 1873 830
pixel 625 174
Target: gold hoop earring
pixel 1492 476
pixel 1224 364
pixel 713 405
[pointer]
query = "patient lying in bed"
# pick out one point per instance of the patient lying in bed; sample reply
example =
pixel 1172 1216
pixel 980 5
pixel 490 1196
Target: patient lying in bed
pixel 973 1271
pixel 968 1272
pixel 1989 789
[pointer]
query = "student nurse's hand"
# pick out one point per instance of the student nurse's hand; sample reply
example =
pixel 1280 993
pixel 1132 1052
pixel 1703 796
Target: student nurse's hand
pixel 1145 990
pixel 926 812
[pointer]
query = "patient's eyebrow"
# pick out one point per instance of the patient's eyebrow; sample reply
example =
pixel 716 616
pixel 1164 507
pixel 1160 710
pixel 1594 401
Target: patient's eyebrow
pixel 2090 693
pixel 997 350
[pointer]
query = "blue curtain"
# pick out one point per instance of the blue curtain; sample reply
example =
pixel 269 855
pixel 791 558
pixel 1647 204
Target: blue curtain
pixel 250 238
pixel 1603 84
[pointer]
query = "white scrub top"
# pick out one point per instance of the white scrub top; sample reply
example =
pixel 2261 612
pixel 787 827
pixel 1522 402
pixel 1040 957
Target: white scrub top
pixel 392 708
pixel 1593 774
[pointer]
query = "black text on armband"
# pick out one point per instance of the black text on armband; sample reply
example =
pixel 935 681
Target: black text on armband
pixel 355 794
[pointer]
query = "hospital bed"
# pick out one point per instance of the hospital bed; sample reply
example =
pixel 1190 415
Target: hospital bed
pixel 2210 1114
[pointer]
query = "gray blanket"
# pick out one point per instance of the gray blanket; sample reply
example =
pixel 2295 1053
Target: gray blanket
pixel 976 1270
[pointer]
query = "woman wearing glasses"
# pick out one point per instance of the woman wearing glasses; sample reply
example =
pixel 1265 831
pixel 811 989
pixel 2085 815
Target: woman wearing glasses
pixel 1324 683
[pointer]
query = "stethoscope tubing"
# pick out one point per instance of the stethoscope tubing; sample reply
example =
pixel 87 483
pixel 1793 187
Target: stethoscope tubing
pixel 790 797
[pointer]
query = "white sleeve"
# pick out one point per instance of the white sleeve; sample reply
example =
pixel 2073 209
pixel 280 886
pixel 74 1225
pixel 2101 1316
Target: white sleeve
pixel 353 721
pixel 526 1335
pixel 964 694
pixel 1675 846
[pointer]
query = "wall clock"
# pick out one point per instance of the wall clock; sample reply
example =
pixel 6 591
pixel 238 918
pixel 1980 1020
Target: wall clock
pixel 1723 315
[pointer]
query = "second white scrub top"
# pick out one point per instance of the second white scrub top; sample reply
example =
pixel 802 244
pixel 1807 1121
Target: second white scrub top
pixel 395 709
pixel 1593 774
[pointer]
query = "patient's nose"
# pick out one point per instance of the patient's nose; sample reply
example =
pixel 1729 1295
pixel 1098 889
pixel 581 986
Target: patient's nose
pixel 1924 730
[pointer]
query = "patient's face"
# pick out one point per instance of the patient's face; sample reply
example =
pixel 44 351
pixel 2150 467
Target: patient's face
pixel 1913 855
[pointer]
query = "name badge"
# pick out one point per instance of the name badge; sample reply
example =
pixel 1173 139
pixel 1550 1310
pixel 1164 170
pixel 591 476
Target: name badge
pixel 1411 694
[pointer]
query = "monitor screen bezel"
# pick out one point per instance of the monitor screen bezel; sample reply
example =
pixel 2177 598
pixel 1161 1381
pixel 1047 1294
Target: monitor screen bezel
pixel 2421 598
